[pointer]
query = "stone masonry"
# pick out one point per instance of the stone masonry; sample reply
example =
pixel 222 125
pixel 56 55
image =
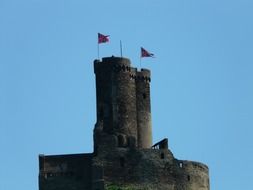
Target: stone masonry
pixel 124 157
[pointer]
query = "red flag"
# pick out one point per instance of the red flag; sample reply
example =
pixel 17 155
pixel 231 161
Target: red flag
pixel 103 38
pixel 145 53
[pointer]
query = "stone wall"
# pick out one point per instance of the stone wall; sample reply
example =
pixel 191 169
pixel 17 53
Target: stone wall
pixel 65 172
pixel 195 175
pixel 149 168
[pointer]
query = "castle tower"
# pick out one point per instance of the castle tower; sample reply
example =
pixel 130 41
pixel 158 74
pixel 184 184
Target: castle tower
pixel 123 104
pixel 123 157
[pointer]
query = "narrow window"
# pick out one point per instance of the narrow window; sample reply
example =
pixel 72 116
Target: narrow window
pixel 120 141
pixel 162 155
pixel 180 164
pixel 122 162
pixel 144 96
pixel 189 178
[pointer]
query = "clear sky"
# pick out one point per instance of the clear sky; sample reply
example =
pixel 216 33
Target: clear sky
pixel 202 80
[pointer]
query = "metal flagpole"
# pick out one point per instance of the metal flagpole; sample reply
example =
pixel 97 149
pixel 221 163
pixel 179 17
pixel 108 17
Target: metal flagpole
pixel 140 58
pixel 140 62
pixel 98 51
pixel 120 49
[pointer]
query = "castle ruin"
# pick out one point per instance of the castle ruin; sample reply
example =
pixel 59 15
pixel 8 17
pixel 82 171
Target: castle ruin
pixel 124 156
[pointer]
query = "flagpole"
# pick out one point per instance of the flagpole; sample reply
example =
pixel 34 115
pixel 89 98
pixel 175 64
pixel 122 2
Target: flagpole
pixel 120 49
pixel 140 62
pixel 140 57
pixel 98 51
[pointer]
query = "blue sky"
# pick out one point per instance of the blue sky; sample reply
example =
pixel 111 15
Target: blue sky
pixel 202 81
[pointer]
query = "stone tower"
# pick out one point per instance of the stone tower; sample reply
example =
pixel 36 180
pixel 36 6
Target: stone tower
pixel 123 103
pixel 124 156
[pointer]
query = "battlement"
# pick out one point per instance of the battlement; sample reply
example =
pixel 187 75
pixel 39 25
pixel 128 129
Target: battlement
pixel 193 166
pixel 121 67
pixel 115 63
pixel 144 75
pixel 116 60
pixel 144 72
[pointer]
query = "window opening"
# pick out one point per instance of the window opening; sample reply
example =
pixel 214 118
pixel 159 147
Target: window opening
pixel 120 141
pixel 122 161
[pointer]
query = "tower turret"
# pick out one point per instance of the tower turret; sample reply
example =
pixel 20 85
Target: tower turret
pixel 143 109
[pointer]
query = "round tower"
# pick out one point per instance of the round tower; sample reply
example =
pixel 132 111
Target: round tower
pixel 143 109
pixel 116 99
pixel 194 175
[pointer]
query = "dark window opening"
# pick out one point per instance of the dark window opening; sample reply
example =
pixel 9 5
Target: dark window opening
pixel 79 177
pixel 144 96
pixel 189 178
pixel 122 161
pixel 120 141
pixel 162 156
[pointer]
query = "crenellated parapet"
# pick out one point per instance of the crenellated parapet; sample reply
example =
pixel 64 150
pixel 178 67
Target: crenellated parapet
pixel 117 64
pixel 144 75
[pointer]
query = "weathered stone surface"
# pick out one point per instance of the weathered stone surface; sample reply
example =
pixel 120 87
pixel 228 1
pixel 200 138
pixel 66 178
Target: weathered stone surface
pixel 123 157
pixel 65 172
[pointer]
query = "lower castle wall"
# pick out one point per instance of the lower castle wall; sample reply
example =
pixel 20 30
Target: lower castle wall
pixel 65 172
pixel 154 169
pixel 151 169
